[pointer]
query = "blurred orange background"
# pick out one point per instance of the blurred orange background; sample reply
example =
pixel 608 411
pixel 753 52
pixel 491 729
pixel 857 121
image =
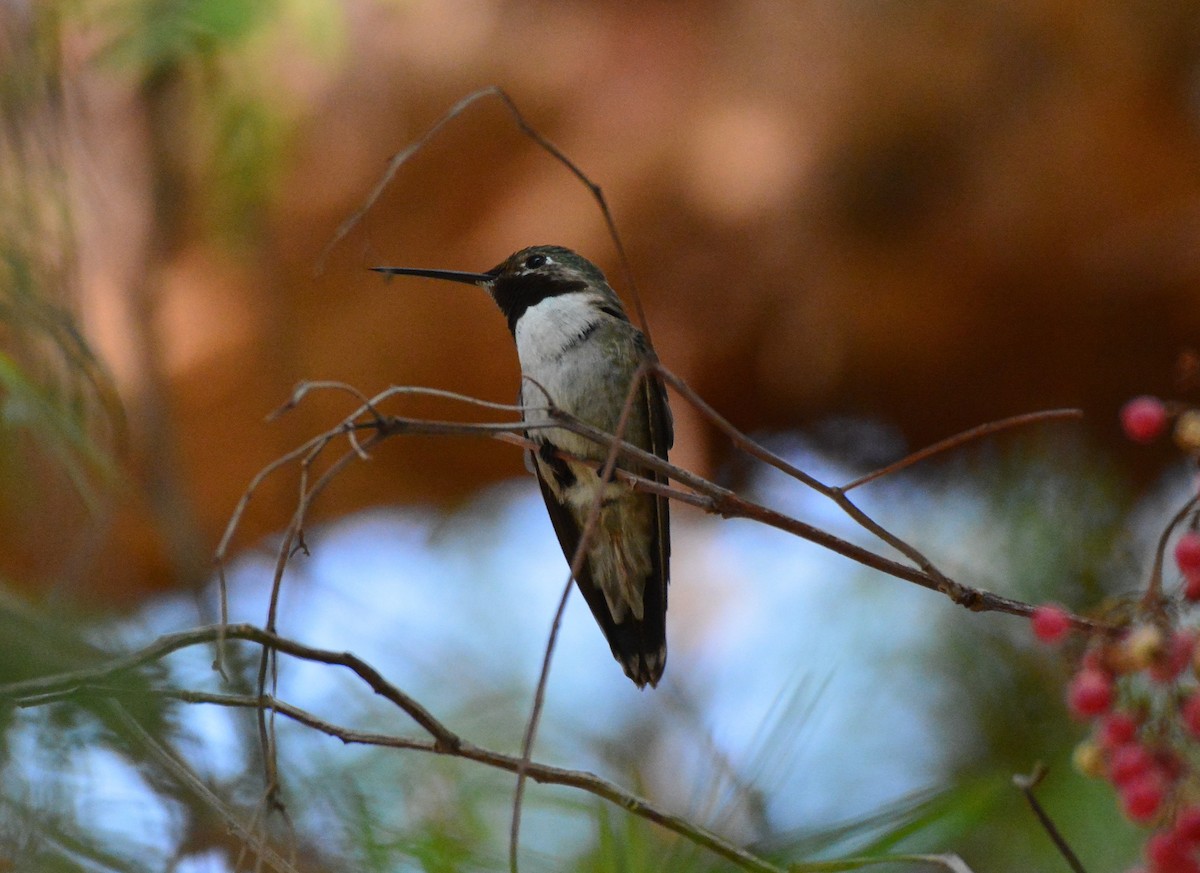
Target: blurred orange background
pixel 930 214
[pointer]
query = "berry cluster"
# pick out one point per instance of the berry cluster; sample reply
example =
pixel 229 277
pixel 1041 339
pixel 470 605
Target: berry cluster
pixel 1139 690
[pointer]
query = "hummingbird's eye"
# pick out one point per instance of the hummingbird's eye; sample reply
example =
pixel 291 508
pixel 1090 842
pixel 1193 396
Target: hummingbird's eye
pixel 534 261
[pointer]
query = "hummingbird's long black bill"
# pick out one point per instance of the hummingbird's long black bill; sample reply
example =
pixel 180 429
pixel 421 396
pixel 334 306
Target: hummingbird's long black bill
pixel 449 275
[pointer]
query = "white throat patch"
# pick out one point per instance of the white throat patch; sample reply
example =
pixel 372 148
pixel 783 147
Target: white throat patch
pixel 549 327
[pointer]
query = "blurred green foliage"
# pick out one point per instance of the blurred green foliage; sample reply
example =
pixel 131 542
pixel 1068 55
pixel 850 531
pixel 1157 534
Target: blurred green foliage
pixel 54 393
pixel 220 116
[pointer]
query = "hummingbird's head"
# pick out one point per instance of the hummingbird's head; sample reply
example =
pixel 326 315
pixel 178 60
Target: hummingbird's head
pixel 526 278
pixel 547 265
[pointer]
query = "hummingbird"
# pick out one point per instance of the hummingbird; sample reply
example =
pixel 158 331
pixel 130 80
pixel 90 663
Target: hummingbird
pixel 579 351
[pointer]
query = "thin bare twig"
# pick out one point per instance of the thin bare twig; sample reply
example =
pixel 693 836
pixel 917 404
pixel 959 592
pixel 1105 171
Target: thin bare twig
pixel 930 575
pixel 952 589
pixel 235 520
pixel 953 863
pixel 701 493
pixel 736 437
pixel 956 591
pixel 1027 784
pixel 350 423
pixel 549 775
pixel 393 166
pixel 963 438
pixel 268 663
pixel 165 645
pixel 1151 599
pixel 402 157
pixel 182 774
pixel 544 774
pixel 695 490
pixel 306 455
pixel 597 195
pixel 443 740
pixel 714 499
pixel 308 451
pixel 577 560
pixel 302 390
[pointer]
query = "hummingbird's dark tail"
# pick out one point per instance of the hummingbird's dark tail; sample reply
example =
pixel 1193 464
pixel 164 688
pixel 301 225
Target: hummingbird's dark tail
pixel 638 644
pixel 643 667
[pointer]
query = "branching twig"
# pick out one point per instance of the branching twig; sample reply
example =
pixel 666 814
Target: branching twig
pixel 714 499
pixel 442 740
pixel 74 680
pixel 401 158
pixel 695 490
pixel 955 591
pixel 932 576
pixel 699 492
pixel 306 455
pixel 691 489
pixel 393 166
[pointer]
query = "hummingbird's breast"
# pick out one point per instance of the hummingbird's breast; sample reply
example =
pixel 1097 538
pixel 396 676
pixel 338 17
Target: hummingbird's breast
pixel 583 358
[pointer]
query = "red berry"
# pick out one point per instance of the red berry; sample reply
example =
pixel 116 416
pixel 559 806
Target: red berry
pixel 1191 586
pixel 1142 798
pixel 1090 693
pixel 1117 729
pixel 1191 714
pixel 1163 847
pixel 1144 419
pixel 1051 623
pixel 1167 853
pixel 1187 552
pixel 1128 763
pixel 1187 825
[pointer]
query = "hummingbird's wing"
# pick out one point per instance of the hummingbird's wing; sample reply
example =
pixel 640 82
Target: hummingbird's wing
pixel 639 644
pixel 626 639
pixel 654 596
